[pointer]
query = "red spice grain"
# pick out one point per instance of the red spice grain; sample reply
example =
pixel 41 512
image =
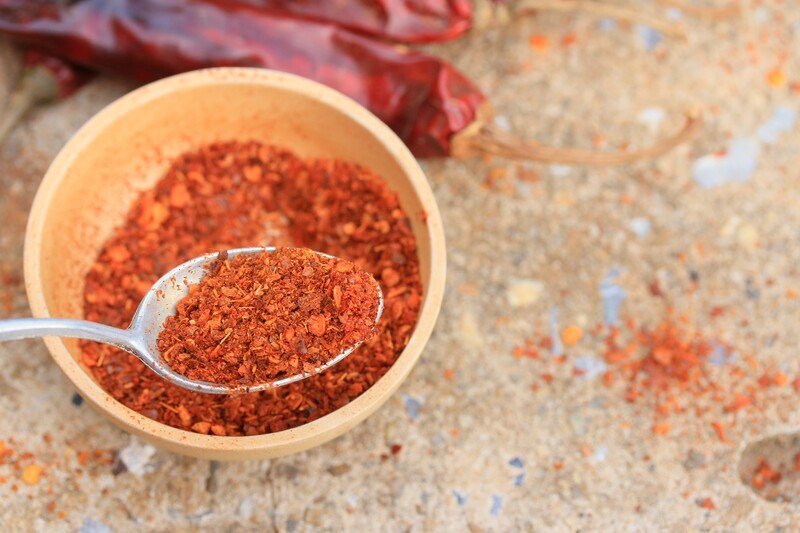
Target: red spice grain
pixel 720 430
pixel 662 428
pixel 764 474
pixel 707 503
pixel 261 317
pixel 334 207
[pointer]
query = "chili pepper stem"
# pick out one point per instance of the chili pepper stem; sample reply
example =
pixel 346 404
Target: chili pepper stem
pixel 37 85
pixel 603 9
pixel 484 138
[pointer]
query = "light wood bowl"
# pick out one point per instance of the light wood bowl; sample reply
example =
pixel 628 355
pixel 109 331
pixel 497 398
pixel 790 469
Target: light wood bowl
pixel 126 148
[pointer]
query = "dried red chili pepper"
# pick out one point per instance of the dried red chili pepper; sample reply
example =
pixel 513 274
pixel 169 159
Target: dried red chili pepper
pixel 423 99
pixel 258 318
pixel 246 194
pixel 434 108
pixel 410 21
pixel 44 78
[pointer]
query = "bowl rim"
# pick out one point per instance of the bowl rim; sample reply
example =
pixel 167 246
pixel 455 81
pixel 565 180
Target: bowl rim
pixel 271 444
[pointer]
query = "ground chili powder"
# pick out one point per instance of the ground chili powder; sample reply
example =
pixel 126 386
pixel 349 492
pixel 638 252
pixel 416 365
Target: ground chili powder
pixel 237 194
pixel 257 318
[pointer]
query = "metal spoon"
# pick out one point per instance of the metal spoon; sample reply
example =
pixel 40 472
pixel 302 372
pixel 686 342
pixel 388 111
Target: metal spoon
pixel 141 336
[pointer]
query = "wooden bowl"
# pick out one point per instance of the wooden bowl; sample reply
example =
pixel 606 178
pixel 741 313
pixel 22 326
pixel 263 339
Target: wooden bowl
pixel 126 148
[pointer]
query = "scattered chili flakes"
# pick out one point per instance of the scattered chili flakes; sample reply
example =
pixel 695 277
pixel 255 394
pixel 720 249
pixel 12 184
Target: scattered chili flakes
pixel 707 503
pixel 764 474
pixel 776 78
pixel 448 373
pixel 525 351
pixel 31 474
pixel 661 428
pixel 395 449
pixel 83 457
pixel 571 335
pixel 330 206
pixel 678 372
pixel 720 430
pixel 540 43
pixel 740 401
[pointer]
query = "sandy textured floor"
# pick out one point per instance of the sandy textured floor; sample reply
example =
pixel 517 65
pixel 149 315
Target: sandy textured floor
pixel 483 450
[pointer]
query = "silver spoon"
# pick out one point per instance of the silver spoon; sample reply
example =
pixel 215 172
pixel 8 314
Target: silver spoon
pixel 141 336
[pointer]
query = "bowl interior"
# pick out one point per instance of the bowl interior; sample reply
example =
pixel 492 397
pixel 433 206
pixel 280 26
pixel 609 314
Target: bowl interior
pixel 128 146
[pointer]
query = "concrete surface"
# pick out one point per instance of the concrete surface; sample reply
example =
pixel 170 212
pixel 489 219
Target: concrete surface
pixel 480 449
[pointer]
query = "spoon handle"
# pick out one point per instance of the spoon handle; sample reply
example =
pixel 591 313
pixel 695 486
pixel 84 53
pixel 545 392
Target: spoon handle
pixel 26 328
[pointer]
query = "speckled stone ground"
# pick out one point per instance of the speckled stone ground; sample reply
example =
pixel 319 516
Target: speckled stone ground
pixel 482 450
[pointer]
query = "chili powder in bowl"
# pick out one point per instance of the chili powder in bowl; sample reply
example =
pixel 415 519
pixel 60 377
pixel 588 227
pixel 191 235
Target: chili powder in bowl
pixel 229 158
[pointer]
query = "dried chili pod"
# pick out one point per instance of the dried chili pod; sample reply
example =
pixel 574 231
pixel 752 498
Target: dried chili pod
pixel 424 99
pixel 434 108
pixel 408 21
pixel 44 78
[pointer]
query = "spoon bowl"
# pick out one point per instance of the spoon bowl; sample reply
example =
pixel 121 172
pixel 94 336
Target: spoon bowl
pixel 141 337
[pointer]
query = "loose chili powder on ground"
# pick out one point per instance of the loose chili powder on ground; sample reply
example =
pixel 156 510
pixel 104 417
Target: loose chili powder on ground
pixel 237 194
pixel 257 318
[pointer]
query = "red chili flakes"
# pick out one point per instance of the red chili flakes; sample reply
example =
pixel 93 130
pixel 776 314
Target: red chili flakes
pixel 662 428
pixel 655 289
pixel 740 401
pixel 720 430
pixel 330 206
pixel 672 358
pixel 546 343
pixel 261 317
pixel 571 335
pixel 540 43
pixel 525 351
pixel 395 449
pixel 83 457
pixel 707 503
pixel 776 78
pixel 764 474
